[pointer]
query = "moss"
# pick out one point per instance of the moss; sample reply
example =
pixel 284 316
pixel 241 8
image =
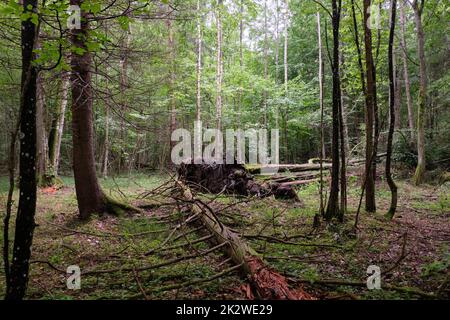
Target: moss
pixel 119 208
pixel 50 180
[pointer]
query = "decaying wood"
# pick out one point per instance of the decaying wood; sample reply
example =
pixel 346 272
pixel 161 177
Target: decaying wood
pixel 287 167
pixel 266 282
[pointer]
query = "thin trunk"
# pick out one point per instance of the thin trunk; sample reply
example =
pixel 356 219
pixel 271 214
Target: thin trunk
pixel 277 56
pixel 241 61
pixel 23 236
pixel 89 194
pixel 409 102
pixel 358 49
pixel 398 92
pixel 333 205
pixel 343 133
pixel 266 62
pixel 106 147
pixel 422 101
pixel 123 85
pixel 285 62
pixel 370 112
pixel 173 102
pixel 322 136
pixel 390 181
pixel 198 115
pixel 41 142
pixel 55 147
pixel 219 66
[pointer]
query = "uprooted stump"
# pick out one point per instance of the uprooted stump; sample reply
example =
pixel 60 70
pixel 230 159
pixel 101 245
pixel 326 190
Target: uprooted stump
pixel 265 282
pixel 231 179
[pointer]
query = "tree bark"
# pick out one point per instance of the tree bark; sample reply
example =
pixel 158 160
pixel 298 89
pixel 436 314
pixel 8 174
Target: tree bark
pixel 322 135
pixel 390 181
pixel 198 115
pixel 409 103
pixel 106 144
pixel 23 236
pixel 285 62
pixel 370 112
pixel 173 102
pixel 343 133
pixel 123 87
pixel 422 103
pixel 398 93
pixel 241 61
pixel 55 143
pixel 333 210
pixel 42 160
pixel 219 66
pixel 266 63
pixel 89 194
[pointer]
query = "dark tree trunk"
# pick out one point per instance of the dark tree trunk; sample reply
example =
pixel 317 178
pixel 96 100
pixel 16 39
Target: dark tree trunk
pixel 370 112
pixel 23 237
pixel 89 194
pixel 392 90
pixel 333 205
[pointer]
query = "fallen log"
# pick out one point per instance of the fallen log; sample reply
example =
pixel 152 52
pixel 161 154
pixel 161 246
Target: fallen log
pixel 286 167
pixel 292 177
pixel 299 182
pixel 265 282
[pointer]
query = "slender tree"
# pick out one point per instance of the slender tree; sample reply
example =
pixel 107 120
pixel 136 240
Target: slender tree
pixel 219 66
pixel 58 125
pixel 198 114
pixel 322 135
pixel 370 112
pixel 409 102
pixel 418 6
pixel 17 277
pixel 390 181
pixel 333 210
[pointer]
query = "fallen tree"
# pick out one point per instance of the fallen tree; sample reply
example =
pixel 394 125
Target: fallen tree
pixel 265 282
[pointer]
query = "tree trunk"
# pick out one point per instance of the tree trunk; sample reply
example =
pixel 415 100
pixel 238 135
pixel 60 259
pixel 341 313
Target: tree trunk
pixel 266 282
pixel 390 181
pixel 42 161
pixel 343 133
pixel 219 66
pixel 123 86
pixel 23 236
pixel 370 112
pixel 322 136
pixel 333 205
pixel 241 61
pixel 55 143
pixel 420 170
pixel 285 62
pixel 89 194
pixel 406 73
pixel 277 56
pixel 173 101
pixel 106 147
pixel 398 93
pixel 266 62
pixel 198 115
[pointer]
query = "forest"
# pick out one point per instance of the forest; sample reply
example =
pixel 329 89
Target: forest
pixel 225 149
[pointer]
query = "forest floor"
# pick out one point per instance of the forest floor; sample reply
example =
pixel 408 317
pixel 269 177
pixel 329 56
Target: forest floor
pixel 412 250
